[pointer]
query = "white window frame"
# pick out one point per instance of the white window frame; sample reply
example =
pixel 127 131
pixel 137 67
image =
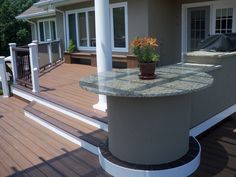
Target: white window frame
pixel 223 6
pixel 213 6
pixel 46 20
pixel 117 5
pixel 86 11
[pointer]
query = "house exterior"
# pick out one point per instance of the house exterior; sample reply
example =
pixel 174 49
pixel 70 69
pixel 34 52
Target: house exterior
pixel 179 25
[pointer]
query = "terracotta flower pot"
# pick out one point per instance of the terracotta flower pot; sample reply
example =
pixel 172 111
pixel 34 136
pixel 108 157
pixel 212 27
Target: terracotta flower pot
pixel 147 70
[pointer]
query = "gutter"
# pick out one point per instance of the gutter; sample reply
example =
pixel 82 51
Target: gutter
pixel 39 14
pixel 35 26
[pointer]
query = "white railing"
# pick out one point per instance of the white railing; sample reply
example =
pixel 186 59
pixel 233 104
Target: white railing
pixel 3 75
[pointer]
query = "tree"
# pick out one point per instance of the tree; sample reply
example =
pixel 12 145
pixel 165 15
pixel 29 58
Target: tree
pixel 12 30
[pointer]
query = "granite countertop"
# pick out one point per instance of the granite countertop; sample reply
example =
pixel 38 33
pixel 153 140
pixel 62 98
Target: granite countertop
pixel 171 80
pixel 211 54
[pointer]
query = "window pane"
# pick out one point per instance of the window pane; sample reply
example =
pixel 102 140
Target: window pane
pixel 47 32
pixel 82 29
pixel 92 33
pixel 53 30
pixel 72 28
pixel 224 20
pixel 119 27
pixel 41 31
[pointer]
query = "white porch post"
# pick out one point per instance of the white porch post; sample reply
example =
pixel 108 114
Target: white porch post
pixel 103 44
pixel 49 45
pixel 34 67
pixel 13 61
pixel 3 75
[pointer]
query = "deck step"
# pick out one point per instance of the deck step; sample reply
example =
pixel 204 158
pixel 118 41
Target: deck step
pixel 85 135
pixel 74 112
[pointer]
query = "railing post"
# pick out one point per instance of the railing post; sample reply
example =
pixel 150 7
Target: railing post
pixel 3 74
pixel 13 62
pixel 59 49
pixel 34 67
pixel 49 45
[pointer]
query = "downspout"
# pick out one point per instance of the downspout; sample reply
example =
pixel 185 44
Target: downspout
pixel 64 26
pixel 35 27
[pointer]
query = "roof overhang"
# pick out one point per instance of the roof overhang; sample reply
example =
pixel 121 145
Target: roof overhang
pixel 57 3
pixel 45 13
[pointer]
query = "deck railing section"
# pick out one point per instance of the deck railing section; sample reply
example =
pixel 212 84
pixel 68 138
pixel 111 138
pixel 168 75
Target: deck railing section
pixel 49 54
pixel 23 65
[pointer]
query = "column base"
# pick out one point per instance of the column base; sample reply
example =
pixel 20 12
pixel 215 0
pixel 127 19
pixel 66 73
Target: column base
pixel 182 167
pixel 100 106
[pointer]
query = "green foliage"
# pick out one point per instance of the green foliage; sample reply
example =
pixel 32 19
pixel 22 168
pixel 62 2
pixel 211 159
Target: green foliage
pixel 1 92
pixel 72 46
pixel 145 49
pixel 11 29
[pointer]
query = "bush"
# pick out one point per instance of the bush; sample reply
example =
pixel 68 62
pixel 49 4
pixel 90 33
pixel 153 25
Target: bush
pixel 72 46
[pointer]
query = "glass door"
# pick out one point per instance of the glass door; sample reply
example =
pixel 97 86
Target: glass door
pixel 198 26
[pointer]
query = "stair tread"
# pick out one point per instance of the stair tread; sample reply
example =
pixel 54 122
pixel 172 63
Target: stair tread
pixel 101 117
pixel 77 128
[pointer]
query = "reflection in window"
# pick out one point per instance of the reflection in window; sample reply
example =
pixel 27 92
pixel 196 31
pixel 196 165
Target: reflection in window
pixel 41 31
pixel 82 29
pixel 72 29
pixel 119 27
pixel 53 30
pixel 92 33
pixel 224 20
pixel 47 30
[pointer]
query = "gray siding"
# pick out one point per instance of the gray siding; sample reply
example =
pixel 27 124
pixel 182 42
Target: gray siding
pixel 137 19
pixel 164 24
pixel 60 29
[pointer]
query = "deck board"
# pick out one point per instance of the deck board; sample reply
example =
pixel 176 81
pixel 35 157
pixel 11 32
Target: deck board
pixel 30 150
pixel 63 85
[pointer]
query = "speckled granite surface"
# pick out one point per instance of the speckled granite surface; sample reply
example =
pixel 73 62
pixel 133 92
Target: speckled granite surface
pixel 211 54
pixel 171 80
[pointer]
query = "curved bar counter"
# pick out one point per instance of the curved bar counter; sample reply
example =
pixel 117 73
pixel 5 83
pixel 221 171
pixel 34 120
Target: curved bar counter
pixel 149 120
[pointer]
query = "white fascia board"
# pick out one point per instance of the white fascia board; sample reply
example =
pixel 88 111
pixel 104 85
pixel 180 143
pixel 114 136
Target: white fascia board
pixel 45 3
pixel 36 15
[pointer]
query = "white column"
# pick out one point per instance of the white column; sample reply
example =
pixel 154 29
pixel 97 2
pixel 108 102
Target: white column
pixel 3 74
pixel 49 45
pixel 103 44
pixel 34 67
pixel 13 62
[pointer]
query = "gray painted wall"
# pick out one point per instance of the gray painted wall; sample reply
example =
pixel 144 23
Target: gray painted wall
pixel 221 95
pixel 164 24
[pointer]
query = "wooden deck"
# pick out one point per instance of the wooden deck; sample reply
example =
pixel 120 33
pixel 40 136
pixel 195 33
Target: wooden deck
pixel 28 149
pixel 62 85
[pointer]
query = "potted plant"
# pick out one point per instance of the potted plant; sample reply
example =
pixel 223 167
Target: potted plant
pixel 145 50
pixel 71 48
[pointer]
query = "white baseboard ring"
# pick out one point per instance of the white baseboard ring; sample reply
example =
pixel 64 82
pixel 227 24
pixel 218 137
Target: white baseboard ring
pixel 183 170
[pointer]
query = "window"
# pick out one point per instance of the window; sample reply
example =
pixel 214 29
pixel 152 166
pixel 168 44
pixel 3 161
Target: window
pixel 47 30
pixel 72 29
pixel 81 27
pixel 92 33
pixel 119 36
pixel 224 20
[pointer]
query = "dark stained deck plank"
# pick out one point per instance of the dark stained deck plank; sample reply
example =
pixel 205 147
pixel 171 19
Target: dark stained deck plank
pixel 30 150
pixel 218 157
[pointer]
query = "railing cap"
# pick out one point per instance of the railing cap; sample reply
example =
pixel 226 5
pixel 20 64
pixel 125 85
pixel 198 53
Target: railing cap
pixel 32 44
pixel 12 44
